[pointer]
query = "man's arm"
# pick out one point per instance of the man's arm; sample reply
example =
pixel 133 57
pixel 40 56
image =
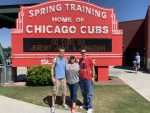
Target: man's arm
pixel 92 69
pixel 52 70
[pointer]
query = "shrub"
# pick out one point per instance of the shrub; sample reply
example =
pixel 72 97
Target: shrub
pixel 38 76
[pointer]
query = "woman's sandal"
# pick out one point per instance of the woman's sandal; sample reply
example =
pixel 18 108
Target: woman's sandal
pixel 73 110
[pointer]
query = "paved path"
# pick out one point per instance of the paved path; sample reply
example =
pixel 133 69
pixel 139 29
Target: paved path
pixel 139 82
pixel 8 105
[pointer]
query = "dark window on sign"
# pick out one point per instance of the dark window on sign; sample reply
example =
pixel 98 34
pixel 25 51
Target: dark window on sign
pixel 70 45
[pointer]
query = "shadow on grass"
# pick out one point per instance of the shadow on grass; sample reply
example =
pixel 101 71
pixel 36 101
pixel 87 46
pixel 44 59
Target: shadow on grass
pixel 48 100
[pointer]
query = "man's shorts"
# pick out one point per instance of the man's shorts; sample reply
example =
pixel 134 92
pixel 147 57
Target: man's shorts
pixel 60 85
pixel 136 63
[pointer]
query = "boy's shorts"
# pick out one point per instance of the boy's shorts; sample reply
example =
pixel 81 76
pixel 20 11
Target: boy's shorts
pixel 60 85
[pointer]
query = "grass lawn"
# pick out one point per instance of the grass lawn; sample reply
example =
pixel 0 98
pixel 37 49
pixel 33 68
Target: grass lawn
pixel 107 98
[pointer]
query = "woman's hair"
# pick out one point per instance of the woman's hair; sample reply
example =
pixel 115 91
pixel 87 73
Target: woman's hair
pixel 69 62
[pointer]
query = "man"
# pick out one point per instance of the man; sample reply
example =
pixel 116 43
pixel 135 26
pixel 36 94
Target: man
pixel 58 78
pixel 136 62
pixel 87 73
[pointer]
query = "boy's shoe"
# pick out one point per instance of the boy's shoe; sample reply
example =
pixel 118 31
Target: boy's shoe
pixel 53 109
pixel 65 106
pixel 90 110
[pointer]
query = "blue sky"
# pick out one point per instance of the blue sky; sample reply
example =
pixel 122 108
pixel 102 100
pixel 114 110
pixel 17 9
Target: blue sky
pixel 125 10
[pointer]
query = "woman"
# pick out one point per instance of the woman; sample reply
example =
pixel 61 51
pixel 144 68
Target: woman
pixel 72 76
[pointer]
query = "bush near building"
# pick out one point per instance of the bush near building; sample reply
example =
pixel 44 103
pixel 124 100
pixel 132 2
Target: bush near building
pixel 38 76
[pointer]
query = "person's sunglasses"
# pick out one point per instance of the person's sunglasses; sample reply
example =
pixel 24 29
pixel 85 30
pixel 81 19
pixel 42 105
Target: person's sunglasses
pixel 83 52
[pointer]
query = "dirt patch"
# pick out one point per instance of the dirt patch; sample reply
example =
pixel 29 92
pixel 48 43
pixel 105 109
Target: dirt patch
pixel 112 81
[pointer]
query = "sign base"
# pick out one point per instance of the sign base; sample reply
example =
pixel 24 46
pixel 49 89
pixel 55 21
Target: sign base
pixel 103 74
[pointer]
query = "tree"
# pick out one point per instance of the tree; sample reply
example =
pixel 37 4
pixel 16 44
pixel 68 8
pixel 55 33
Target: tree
pixel 2 55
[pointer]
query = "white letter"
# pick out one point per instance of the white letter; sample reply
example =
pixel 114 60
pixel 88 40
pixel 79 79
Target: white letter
pixel 91 29
pixel 98 30
pixel 42 11
pixel 64 29
pixel 54 19
pixel 38 29
pixel 67 6
pixel 29 29
pixel 104 15
pixel 73 7
pixel 72 29
pixel 47 29
pixel 36 12
pixel 105 29
pixel 81 29
pixel 58 7
pixel 57 30
pixel 31 14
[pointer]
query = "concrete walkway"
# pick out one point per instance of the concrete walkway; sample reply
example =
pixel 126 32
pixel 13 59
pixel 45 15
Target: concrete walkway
pixel 8 105
pixel 139 82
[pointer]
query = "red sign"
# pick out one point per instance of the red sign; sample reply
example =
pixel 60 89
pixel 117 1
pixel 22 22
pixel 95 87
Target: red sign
pixel 41 29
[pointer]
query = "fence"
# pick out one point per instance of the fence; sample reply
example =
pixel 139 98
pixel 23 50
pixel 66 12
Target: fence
pixel 2 75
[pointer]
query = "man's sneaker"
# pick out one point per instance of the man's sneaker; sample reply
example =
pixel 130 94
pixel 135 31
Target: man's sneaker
pixel 83 107
pixel 52 109
pixel 90 110
pixel 65 106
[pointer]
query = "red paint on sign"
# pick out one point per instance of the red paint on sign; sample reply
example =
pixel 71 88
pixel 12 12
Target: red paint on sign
pixel 63 22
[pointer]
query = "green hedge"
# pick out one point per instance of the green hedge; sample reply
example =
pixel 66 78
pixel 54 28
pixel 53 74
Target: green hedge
pixel 38 76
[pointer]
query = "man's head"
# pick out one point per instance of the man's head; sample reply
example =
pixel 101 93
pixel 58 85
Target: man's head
pixel 83 53
pixel 137 53
pixel 61 52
